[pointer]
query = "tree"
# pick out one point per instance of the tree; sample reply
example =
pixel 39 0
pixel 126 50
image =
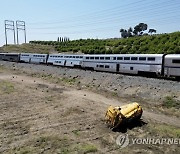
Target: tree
pixel 130 32
pixel 138 29
pixel 126 33
pixel 152 31
pixel 123 33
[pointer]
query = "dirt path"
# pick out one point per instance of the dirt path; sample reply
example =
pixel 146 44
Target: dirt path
pixel 38 116
pixel 101 100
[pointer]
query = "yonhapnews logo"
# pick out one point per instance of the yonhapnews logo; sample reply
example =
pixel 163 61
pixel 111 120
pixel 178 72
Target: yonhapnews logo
pixel 123 141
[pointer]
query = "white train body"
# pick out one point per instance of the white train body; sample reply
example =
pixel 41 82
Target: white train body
pixel 33 58
pixel 124 63
pixel 157 64
pixel 172 65
pixel 65 60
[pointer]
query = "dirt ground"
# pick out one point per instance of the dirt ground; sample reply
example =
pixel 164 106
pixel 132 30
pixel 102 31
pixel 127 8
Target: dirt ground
pixel 40 116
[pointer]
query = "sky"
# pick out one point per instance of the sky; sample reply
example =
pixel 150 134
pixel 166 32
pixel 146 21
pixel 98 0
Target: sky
pixel 76 19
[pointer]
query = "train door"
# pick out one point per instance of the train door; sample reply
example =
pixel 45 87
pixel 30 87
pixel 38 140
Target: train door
pixel 117 67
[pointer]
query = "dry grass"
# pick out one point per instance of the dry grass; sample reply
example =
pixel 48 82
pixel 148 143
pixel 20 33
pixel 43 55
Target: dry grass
pixel 28 48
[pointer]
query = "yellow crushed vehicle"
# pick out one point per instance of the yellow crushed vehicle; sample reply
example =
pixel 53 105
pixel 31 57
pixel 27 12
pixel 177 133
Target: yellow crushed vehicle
pixel 116 116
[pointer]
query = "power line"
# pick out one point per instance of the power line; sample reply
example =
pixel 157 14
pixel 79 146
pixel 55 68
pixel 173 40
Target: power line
pixel 103 21
pixel 84 15
pixel 117 12
pixel 97 29
pixel 109 19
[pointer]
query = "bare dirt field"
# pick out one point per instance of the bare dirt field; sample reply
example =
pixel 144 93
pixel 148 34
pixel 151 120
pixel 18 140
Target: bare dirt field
pixel 43 112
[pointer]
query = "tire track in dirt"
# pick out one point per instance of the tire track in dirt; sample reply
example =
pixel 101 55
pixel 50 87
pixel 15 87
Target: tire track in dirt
pixel 101 100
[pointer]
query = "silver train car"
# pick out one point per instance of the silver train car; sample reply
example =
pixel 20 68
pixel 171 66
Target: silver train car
pixel 125 63
pixel 172 65
pixel 14 57
pixel 65 60
pixel 33 58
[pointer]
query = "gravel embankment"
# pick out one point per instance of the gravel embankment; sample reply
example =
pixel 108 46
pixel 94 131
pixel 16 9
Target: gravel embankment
pixel 150 89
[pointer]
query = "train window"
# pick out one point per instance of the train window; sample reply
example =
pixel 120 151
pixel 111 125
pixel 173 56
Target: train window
pixel 106 66
pixel 131 68
pixel 151 58
pixel 96 57
pixel 102 58
pixel 91 57
pixel 114 58
pixel 97 65
pixel 134 58
pixel 77 56
pixel 107 58
pixel 87 57
pixel 81 56
pixel 176 61
pixel 70 56
pixel 119 58
pixel 102 66
pixel 73 56
pixel 126 58
pixel 142 58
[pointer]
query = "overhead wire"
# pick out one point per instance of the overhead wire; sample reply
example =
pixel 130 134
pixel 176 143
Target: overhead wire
pixel 140 9
pixel 102 21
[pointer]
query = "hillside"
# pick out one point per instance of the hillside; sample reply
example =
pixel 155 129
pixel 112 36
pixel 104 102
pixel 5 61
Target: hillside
pixel 28 48
pixel 161 43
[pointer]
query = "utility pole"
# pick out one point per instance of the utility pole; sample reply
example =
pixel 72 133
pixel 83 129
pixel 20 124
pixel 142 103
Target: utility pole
pixel 9 25
pixel 20 25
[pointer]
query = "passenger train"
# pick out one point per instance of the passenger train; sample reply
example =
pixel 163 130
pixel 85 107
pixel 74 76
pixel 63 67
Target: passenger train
pixel 165 65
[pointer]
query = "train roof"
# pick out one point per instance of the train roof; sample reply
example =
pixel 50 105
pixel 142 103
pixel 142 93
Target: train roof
pixel 9 53
pixel 66 54
pixel 33 53
pixel 173 56
pixel 131 55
